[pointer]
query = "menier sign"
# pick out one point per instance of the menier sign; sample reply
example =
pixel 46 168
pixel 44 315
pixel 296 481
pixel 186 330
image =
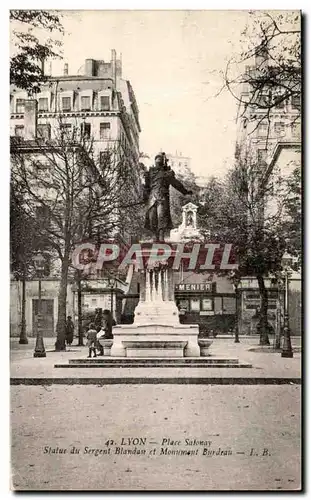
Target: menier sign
pixel 193 287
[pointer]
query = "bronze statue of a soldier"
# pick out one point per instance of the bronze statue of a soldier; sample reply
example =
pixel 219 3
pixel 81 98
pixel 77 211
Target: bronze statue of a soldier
pixel 158 180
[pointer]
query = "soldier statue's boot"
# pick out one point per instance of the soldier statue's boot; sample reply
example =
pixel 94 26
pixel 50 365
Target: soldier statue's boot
pixel 90 353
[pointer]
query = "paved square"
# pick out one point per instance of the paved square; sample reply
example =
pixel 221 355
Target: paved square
pixel 250 434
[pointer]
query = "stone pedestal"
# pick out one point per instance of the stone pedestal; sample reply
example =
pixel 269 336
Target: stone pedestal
pixel 204 345
pixel 155 341
pixel 106 344
pixel 156 331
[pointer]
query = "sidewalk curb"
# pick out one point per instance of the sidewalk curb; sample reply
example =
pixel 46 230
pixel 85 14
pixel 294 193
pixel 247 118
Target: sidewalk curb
pixel 156 380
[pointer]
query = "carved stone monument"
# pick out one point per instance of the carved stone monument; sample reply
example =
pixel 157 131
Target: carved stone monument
pixel 188 229
pixel 156 331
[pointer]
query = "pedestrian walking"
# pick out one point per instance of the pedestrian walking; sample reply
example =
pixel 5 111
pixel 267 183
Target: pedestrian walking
pixel 91 340
pixel 69 331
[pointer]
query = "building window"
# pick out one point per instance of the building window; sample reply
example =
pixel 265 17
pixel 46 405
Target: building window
pixel 279 104
pixel 296 129
pixel 183 305
pixel 66 103
pixel 43 104
pixel 20 105
pixel 105 158
pixel 42 168
pixel 19 130
pixel 207 305
pixel 65 129
pixel 263 101
pixel 47 309
pixel 195 305
pixel 65 126
pixel 85 103
pixel 44 131
pixel 279 128
pixel 296 101
pixel 104 103
pixel 43 215
pixel 261 155
pixel 86 130
pixel 104 130
pixel 263 130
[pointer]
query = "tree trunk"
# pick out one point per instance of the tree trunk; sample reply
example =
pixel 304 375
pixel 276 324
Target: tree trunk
pixel 263 315
pixel 60 344
pixel 79 296
pixel 236 319
pixel 23 337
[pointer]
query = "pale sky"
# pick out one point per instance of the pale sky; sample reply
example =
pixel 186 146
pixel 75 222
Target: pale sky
pixel 172 59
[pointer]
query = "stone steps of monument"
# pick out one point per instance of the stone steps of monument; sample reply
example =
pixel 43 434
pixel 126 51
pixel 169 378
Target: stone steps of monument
pixel 185 361
pixel 106 365
pixel 154 363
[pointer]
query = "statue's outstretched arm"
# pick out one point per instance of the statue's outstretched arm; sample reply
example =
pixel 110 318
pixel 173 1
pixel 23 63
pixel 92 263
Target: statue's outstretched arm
pixel 178 185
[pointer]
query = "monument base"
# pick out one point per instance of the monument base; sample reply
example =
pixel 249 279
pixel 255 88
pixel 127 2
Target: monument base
pixel 155 341
pixel 154 348
pixel 156 331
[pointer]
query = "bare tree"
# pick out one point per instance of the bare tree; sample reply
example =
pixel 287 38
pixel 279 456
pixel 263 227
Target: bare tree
pixel 75 193
pixel 22 248
pixel 236 211
pixel 267 75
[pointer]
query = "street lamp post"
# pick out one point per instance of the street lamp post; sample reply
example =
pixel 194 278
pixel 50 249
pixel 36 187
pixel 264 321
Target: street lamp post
pixel 287 351
pixel 23 335
pixel 111 286
pixel 39 351
pixel 77 290
pixel 236 282
pixel 278 321
pixel 275 286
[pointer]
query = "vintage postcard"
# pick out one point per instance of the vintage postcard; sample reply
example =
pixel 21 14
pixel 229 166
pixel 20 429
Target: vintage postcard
pixel 155 250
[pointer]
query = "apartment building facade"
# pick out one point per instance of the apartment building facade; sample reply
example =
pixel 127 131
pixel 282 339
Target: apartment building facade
pixel 97 99
pixel 101 104
pixel 272 142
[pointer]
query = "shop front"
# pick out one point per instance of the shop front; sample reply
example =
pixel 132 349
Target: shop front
pixel 209 305
pixel 250 306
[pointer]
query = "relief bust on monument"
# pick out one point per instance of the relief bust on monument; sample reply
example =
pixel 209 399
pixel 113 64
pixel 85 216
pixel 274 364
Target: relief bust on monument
pixel 158 180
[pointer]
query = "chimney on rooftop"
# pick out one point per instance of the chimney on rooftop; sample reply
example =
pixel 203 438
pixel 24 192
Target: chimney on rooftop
pixel 114 65
pixel 65 69
pixel 89 67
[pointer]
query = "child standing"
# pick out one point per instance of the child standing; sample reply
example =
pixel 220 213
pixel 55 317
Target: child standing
pixel 100 334
pixel 91 340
